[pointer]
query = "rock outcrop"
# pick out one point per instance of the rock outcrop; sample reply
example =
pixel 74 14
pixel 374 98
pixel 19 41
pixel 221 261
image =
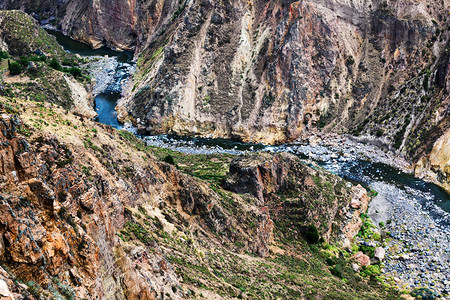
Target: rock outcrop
pixel 299 196
pixel 268 71
pixel 83 218
pixel 273 71
pixel 261 71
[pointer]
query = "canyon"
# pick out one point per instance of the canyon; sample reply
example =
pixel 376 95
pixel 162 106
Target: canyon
pixel 274 72
pixel 93 212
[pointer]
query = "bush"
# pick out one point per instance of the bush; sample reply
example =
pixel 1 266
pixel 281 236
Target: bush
pixel 311 234
pixel 3 55
pixel 23 61
pixel 14 67
pixel 54 63
pixel 69 62
pixel 372 270
pixel 75 71
pixel 424 294
pixel 169 159
pixel 379 132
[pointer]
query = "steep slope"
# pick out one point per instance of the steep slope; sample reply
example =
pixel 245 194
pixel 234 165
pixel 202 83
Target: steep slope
pixel 267 71
pixel 273 71
pixel 91 212
pixel 46 69
pixel 258 70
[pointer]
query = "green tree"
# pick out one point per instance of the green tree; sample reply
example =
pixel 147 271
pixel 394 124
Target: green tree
pixel 54 63
pixel 14 67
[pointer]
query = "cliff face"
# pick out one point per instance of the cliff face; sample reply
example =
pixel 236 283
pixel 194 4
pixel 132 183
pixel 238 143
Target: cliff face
pixel 262 71
pixel 124 25
pixel 271 71
pixel 268 71
pixel 83 218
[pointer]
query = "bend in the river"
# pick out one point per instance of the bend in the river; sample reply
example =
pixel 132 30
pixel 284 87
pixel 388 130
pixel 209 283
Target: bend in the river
pixel 415 212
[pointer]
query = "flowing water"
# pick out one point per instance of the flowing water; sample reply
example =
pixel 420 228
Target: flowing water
pixel 106 99
pixel 416 213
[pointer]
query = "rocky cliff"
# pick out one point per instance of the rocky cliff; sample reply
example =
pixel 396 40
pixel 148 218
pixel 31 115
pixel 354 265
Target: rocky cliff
pixel 91 212
pixel 264 71
pixel 268 71
pixel 272 71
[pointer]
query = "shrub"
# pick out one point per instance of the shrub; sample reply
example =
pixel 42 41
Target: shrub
pixel 75 71
pixel 379 132
pixel 54 63
pixel 69 62
pixel 169 159
pixel 3 55
pixel 14 67
pixel 23 61
pixel 311 234
pixel 372 270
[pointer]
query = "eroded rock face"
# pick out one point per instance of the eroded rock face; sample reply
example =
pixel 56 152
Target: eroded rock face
pixel 120 24
pixel 56 224
pixel 262 71
pixel 299 195
pixel 271 71
pixel 268 71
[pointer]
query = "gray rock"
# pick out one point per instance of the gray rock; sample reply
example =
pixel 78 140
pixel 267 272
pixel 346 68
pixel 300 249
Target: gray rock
pixel 380 253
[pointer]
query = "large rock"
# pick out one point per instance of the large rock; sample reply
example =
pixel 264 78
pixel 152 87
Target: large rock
pixel 5 293
pixel 380 253
pixel 269 177
pixel 361 259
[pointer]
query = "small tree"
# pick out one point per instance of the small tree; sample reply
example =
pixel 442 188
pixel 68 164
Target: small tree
pixel 311 234
pixel 54 63
pixel 169 159
pixel 23 61
pixel 75 71
pixel 14 67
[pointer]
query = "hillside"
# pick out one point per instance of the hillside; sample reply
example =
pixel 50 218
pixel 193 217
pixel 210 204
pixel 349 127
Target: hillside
pixel 90 212
pixel 275 71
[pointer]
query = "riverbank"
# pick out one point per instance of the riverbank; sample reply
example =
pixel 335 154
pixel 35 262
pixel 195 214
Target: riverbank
pixel 414 228
pixel 405 215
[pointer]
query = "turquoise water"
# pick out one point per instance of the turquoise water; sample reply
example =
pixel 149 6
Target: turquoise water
pixel 85 50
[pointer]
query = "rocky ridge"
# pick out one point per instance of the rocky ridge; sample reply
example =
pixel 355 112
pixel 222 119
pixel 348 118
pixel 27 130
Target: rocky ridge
pixel 274 71
pixel 84 218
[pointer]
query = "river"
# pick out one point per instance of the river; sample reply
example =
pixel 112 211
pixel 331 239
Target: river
pixel 112 68
pixel 415 213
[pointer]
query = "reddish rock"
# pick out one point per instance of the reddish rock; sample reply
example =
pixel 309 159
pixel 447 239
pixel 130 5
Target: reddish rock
pixel 362 259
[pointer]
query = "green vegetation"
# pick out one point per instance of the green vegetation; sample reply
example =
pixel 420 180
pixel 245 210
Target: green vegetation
pixel 169 159
pixel 54 63
pixel 371 271
pixel 311 234
pixel 14 67
pixel 366 228
pixel 212 168
pixel 131 229
pixel 3 55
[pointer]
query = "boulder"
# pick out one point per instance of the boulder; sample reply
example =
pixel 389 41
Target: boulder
pixel 355 204
pixel 32 66
pixel 380 253
pixel 5 293
pixel 404 257
pixel 362 259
